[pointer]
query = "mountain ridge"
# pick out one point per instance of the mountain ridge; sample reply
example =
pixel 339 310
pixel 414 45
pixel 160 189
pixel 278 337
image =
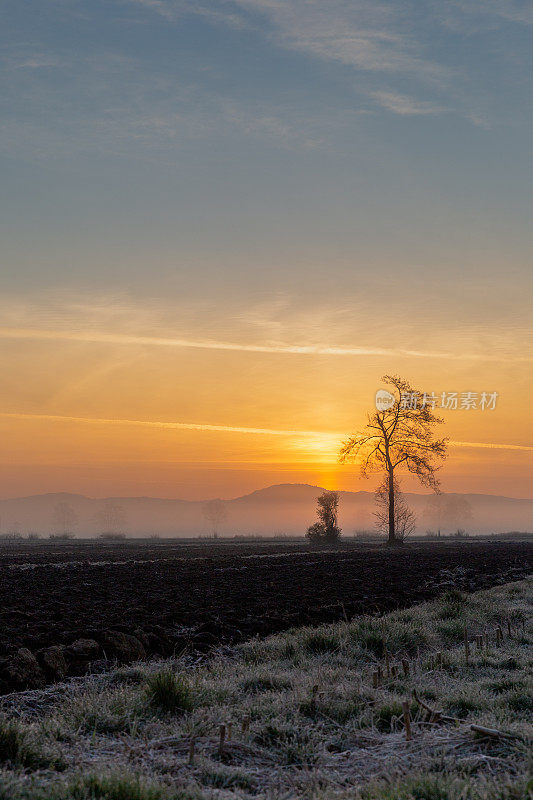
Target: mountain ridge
pixel 272 510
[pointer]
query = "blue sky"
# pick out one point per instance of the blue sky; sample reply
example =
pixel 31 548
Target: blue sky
pixel 154 124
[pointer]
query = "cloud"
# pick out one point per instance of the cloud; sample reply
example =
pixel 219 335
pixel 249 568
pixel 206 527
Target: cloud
pixel 491 445
pixel 379 38
pixel 363 34
pixel 162 7
pixel 476 15
pixel 404 105
pixel 176 9
pixel 321 438
pixel 102 337
pixel 189 426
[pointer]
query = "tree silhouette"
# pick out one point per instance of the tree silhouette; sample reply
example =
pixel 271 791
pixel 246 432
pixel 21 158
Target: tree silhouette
pixel 64 519
pixel 111 517
pixel 326 529
pixel 398 435
pixel 216 513
pixel 405 520
pixel 447 511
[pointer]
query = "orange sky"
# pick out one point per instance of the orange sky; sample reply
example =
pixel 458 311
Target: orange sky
pixel 107 399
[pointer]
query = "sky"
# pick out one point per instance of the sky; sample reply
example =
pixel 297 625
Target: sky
pixel 223 221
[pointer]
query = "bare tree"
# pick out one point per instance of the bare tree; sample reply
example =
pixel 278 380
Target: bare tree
pixel 326 529
pixel 216 513
pixel 111 517
pixel 64 519
pixel 405 519
pixel 398 436
pixel 447 511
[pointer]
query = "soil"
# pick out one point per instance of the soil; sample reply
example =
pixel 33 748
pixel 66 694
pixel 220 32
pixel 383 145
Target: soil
pixel 169 594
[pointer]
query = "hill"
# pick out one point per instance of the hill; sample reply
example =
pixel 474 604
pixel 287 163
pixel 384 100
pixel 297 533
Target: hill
pixel 275 510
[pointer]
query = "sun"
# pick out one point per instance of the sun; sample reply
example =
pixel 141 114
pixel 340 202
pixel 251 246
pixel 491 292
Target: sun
pixel 318 448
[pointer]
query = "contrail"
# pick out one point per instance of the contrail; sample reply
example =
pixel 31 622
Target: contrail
pixel 199 426
pixel 190 426
pixel 492 446
pixel 208 344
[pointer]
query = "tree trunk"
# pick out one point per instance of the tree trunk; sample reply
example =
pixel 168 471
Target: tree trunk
pixel 392 530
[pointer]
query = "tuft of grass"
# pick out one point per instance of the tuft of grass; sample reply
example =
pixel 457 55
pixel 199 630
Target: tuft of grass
pixel 376 636
pixel 118 787
pixel 132 676
pixel 461 706
pixel 426 788
pixel 288 651
pixel 452 631
pixel 107 712
pixel 292 745
pixel 502 686
pixel 227 778
pixel 521 702
pixel 321 642
pixel 372 641
pixel 436 787
pixel 17 749
pixel 509 663
pixel 390 715
pixel 169 692
pixel 265 683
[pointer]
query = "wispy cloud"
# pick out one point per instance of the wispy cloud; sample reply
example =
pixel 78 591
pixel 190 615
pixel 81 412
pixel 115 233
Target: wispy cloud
pixel 163 7
pixel 175 9
pixel 474 15
pixel 365 34
pixel 491 446
pixel 102 337
pixel 376 37
pixel 168 425
pixel 406 106
pixel 318 437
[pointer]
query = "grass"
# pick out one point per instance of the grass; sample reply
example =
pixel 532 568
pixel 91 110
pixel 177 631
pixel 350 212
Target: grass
pixel 321 642
pixel 316 727
pixel 169 692
pixel 117 787
pixel 19 750
pixel 264 683
pixel 103 711
pixel 442 788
